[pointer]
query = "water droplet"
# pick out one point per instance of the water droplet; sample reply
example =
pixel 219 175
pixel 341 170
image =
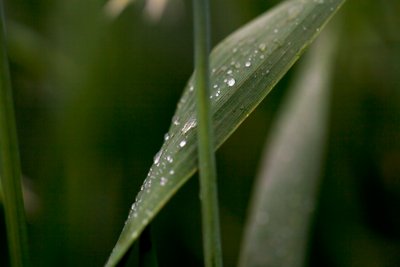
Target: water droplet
pixel 175 120
pixel 157 157
pixel 163 181
pixel 147 184
pixel 182 143
pixel 247 64
pixel 215 86
pixel 229 72
pixel 166 137
pixel 189 125
pixel 171 172
pixel 262 56
pixel 278 42
pixel 262 47
pixel 133 207
pixel 237 65
pixel 191 88
pixel 231 82
pixel 170 159
pixel 276 30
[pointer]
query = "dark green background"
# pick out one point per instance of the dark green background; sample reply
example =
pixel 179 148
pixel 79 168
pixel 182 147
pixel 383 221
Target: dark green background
pixel 94 97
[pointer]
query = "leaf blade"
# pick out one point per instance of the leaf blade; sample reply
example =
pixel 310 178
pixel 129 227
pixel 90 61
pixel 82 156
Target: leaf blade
pixel 279 37
pixel 10 166
pixel 285 191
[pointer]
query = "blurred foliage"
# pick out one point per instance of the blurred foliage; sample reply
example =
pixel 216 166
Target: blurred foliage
pixel 94 98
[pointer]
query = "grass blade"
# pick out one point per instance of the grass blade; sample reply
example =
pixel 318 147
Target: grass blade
pixel 285 192
pixel 10 170
pixel 205 135
pixel 245 67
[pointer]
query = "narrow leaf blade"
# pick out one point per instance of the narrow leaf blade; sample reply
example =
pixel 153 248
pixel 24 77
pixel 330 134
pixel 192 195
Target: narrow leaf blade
pixel 245 67
pixel 285 192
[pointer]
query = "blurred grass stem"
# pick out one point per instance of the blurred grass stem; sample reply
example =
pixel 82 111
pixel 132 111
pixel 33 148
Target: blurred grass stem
pixel 207 168
pixel 10 172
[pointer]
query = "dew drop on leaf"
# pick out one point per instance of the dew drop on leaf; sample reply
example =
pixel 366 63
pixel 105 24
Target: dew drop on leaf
pixel 166 137
pixel 189 125
pixel 157 157
pixel 182 143
pixel 170 159
pixel 175 120
pixel 163 181
pixel 231 82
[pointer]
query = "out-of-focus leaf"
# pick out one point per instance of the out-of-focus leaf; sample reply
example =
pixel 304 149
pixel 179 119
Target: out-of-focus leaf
pixel 245 67
pixel 153 9
pixel 114 7
pixel 285 192
pixel 10 166
pixel 1 194
pixel 27 48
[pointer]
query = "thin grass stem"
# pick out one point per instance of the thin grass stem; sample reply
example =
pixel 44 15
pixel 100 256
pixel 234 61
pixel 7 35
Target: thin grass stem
pixel 207 166
pixel 10 172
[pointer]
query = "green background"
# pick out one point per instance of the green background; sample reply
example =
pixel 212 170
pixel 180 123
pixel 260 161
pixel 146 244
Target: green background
pixel 94 97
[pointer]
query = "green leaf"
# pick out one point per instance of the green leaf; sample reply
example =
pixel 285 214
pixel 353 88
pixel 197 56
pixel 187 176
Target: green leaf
pixel 10 168
pixel 114 7
pixel 1 193
pixel 284 194
pixel 245 67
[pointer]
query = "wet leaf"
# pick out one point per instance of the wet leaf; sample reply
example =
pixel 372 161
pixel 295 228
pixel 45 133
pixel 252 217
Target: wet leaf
pixel 245 67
